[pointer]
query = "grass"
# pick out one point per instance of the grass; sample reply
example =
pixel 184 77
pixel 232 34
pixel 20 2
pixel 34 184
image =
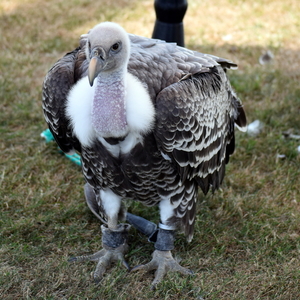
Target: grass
pixel 247 239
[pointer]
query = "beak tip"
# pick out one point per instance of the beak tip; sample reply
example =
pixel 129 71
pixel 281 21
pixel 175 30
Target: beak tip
pixel 92 70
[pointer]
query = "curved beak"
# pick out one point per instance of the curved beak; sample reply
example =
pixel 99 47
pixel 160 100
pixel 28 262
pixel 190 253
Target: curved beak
pixel 97 63
pixel 92 70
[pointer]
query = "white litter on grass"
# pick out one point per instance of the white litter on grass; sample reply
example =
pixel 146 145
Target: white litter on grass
pixel 298 148
pixel 289 134
pixel 255 128
pixel 294 136
pixel 266 57
pixel 227 37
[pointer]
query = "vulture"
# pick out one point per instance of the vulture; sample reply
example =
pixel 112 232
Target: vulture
pixel 153 122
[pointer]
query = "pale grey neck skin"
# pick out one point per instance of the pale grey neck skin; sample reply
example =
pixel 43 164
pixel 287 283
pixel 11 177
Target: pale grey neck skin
pixel 109 105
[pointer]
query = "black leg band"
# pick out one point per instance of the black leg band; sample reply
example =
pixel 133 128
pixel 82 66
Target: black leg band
pixel 114 239
pixel 165 240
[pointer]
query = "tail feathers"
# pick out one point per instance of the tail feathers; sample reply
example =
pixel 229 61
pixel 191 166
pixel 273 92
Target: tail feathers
pixel 241 121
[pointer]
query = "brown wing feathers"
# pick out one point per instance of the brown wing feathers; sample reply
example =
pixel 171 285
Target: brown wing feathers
pixel 56 86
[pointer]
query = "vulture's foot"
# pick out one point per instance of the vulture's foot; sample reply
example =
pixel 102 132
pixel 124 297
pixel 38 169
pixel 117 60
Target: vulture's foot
pixel 114 244
pixel 162 259
pixel 163 262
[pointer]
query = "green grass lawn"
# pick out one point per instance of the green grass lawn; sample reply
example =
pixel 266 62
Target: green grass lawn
pixel 247 239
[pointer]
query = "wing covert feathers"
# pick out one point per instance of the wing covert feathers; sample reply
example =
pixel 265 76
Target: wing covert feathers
pixel 195 121
pixel 195 128
pixel 56 86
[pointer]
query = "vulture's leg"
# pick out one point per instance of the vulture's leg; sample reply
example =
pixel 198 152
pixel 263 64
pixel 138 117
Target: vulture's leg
pixel 162 259
pixel 114 239
pixel 114 245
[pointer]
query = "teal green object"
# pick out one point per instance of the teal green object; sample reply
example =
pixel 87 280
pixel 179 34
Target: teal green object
pixel 75 158
pixel 47 135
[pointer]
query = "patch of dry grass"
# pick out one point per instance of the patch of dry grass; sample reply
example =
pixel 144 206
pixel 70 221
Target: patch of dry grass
pixel 247 235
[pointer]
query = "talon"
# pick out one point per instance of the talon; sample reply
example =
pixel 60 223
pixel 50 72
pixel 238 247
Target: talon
pixel 71 259
pixel 163 262
pixel 114 247
pixel 126 265
pixel 97 280
pixel 137 268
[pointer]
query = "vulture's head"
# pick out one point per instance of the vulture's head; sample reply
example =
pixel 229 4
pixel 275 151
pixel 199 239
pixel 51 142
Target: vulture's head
pixel 107 49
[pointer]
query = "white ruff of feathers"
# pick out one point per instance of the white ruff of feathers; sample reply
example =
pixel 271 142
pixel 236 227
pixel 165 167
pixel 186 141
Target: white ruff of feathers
pixel 139 110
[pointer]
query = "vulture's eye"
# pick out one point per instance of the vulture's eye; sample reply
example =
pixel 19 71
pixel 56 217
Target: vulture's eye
pixel 115 47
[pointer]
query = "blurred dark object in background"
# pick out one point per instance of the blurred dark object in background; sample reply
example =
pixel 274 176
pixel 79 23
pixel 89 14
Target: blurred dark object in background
pixel 168 24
